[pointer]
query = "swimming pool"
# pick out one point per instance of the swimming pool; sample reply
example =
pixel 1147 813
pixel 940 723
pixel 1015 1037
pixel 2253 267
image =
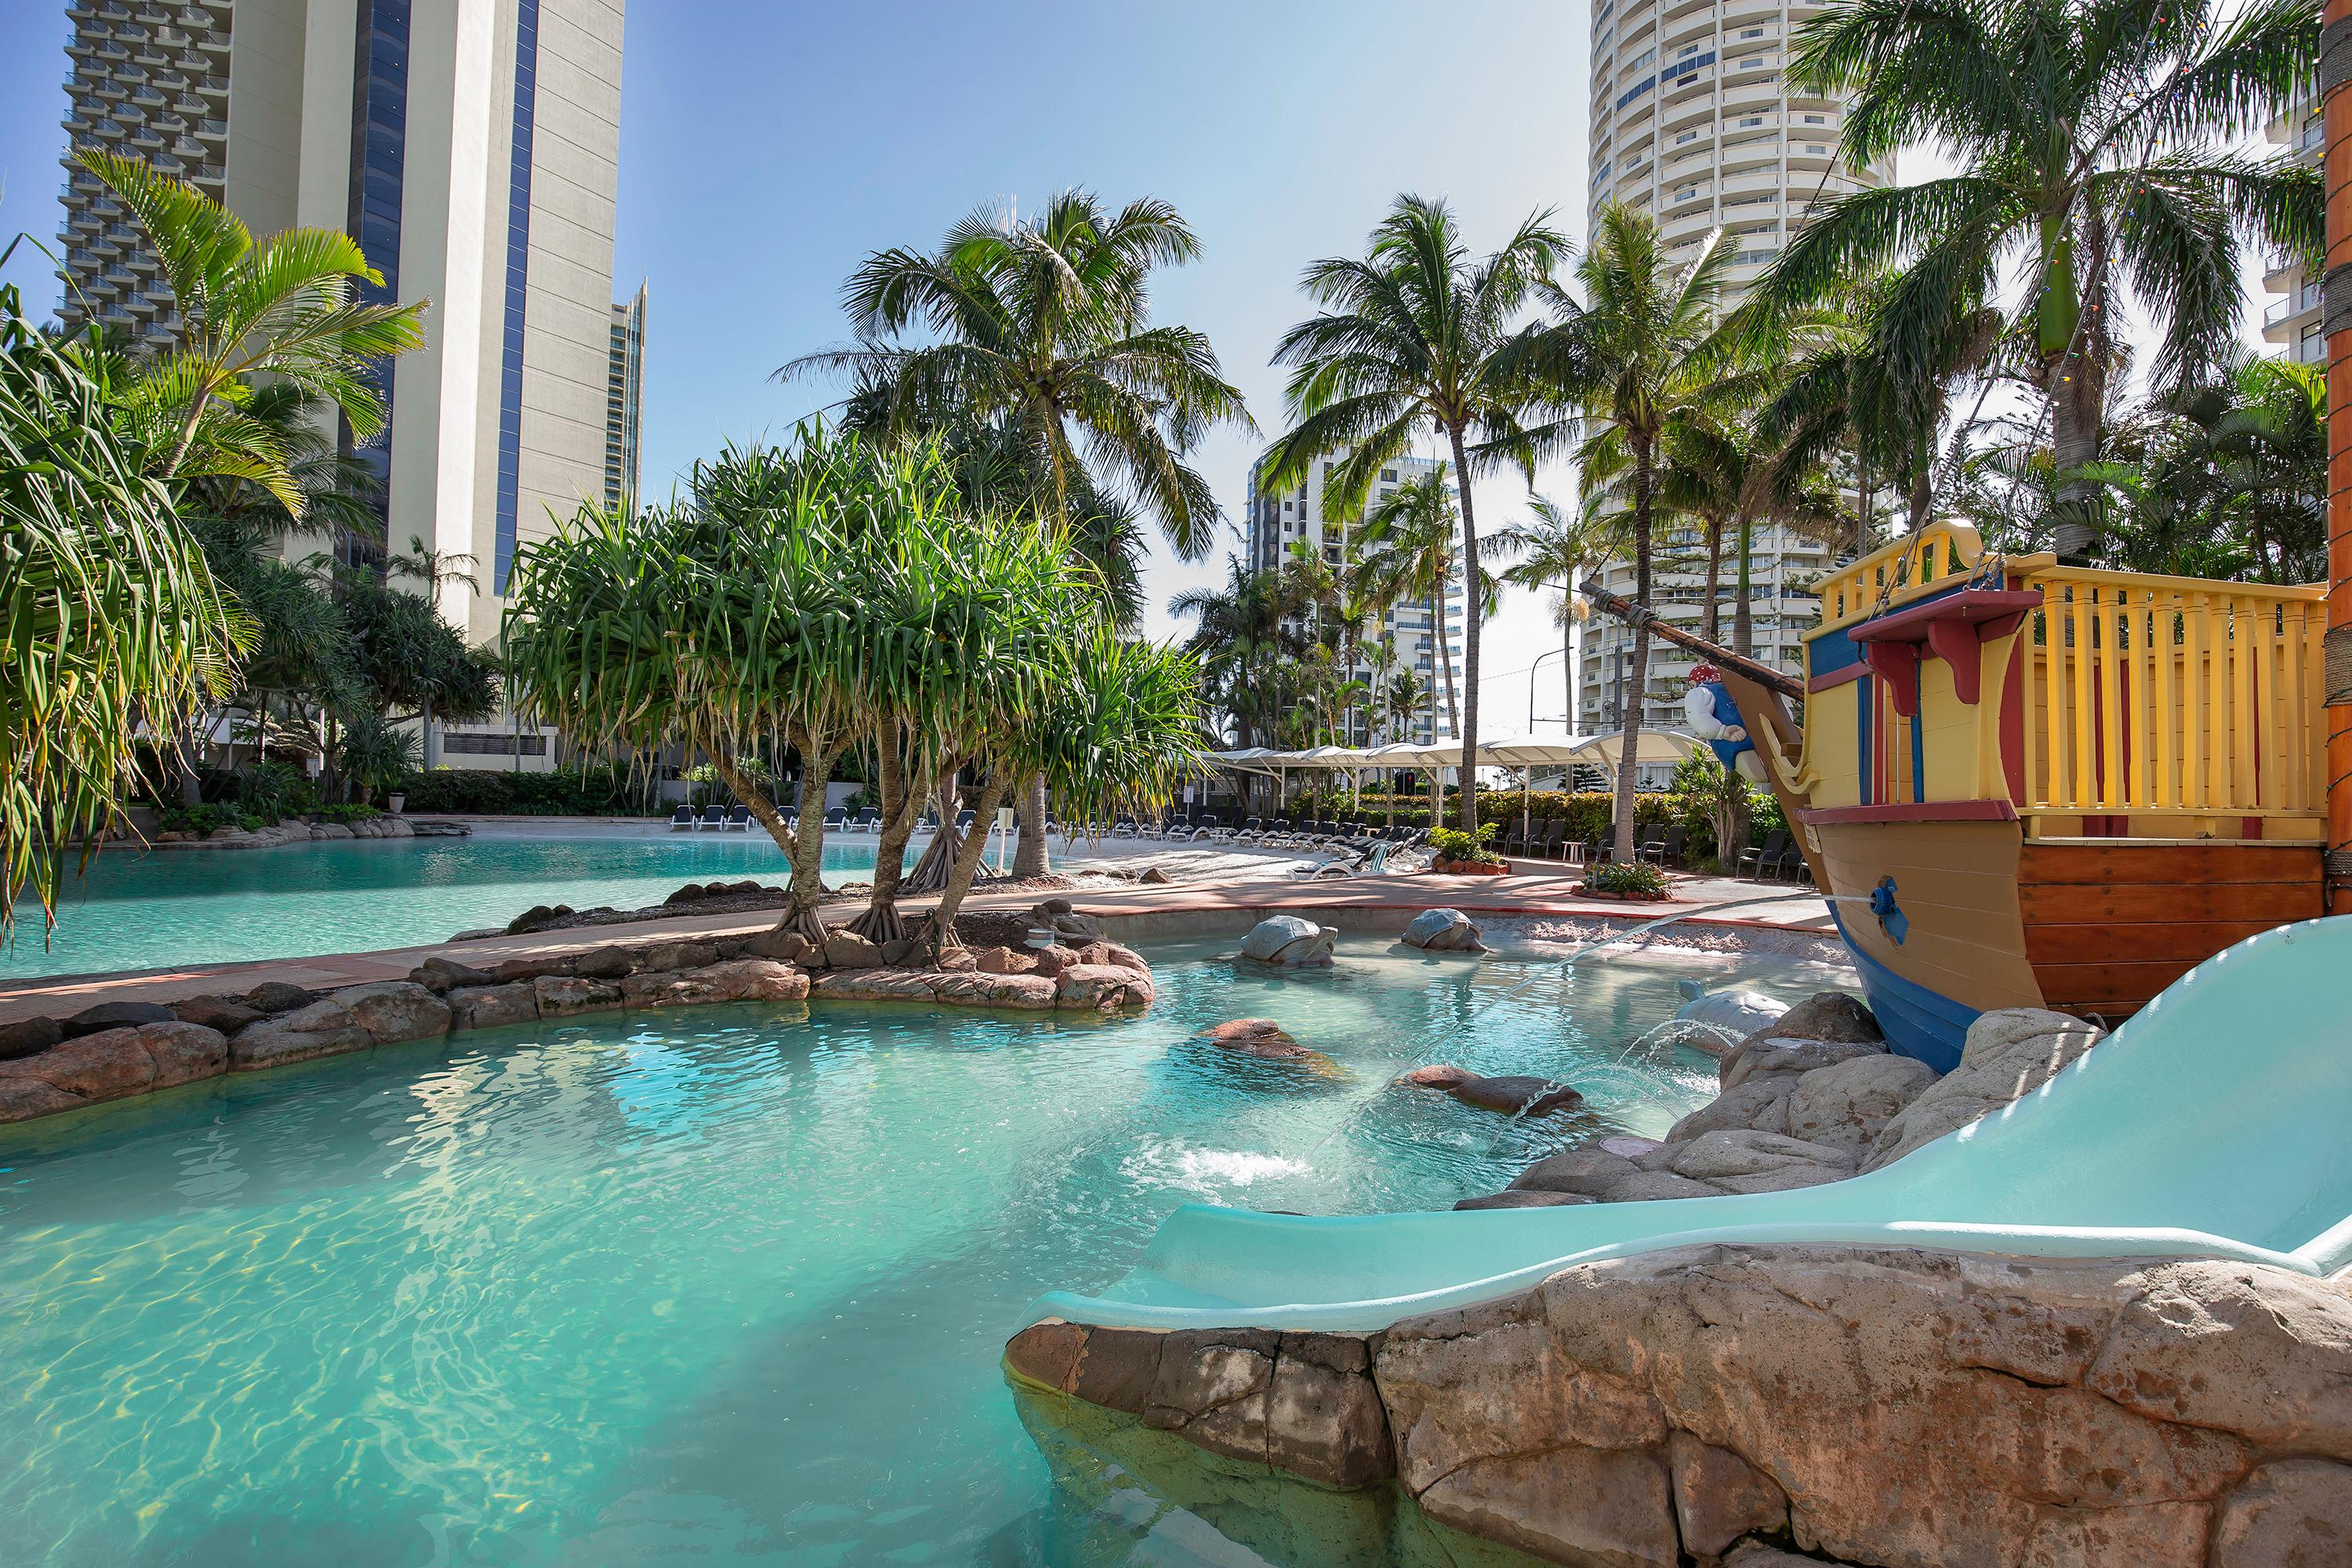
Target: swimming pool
pixel 135 910
pixel 723 1284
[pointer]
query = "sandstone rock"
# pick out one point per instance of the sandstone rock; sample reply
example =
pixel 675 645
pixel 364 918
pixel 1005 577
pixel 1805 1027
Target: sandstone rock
pixel 112 1063
pixel 2009 1053
pixel 1443 931
pixel 1114 954
pixel 277 996
pixel 395 1010
pixel 117 1015
pixel 784 946
pixel 1520 1198
pixel 1847 1106
pixel 441 974
pixel 1004 961
pixel 1656 1187
pixel 1044 909
pixel 897 951
pixel 1101 988
pixel 1051 961
pixel 1586 1171
pixel 1830 1016
pixel 668 988
pixel 28 1037
pixel 1323 1414
pixel 1517 1095
pixel 1769 1057
pixel 564 997
pixel 957 960
pixel 1628 1144
pixel 975 987
pixel 690 893
pixel 1723 1156
pixel 604 964
pixel 1729 1017
pixel 879 985
pixel 23 1098
pixel 1075 927
pixel 1153 875
pixel 1257 1037
pixel 1289 941
pixel 226 1014
pixel 2229 1345
pixel 493 1007
pixel 1441 1075
pixel 680 955
pixel 515 969
pixel 1760 1104
pixel 2292 1513
pixel 1212 1387
pixel 332 830
pixel 1764 1554
pixel 754 980
pixel 318 1029
pixel 1720 1497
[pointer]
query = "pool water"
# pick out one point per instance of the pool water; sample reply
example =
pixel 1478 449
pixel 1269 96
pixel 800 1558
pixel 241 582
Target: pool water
pixel 135 910
pixel 713 1285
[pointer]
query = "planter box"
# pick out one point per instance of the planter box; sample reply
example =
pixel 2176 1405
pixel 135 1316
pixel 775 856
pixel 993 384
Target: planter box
pixel 1471 867
pixel 1584 892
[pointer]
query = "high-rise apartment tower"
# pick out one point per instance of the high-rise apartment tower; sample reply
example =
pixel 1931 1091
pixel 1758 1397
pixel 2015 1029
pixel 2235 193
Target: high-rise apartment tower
pixel 1282 519
pixel 470 146
pixel 1693 125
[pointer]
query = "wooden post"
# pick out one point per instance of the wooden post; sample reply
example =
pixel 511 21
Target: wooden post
pixel 2335 320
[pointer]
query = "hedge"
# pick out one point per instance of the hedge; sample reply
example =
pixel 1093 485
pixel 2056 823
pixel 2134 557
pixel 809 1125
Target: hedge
pixel 600 792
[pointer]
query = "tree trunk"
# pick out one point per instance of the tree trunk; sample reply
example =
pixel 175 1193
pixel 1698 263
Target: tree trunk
pixel 1710 618
pixel 2073 442
pixel 1638 677
pixel 931 872
pixel 1029 857
pixel 1467 808
pixel 1445 664
pixel 902 802
pixel 969 856
pixel 1567 659
pixel 1743 627
pixel 804 848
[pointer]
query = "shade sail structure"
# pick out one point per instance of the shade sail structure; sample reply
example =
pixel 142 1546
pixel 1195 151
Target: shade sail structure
pixel 1504 752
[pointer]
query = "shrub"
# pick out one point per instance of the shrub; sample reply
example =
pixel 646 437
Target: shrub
pixel 1453 844
pixel 346 812
pixel 202 820
pixel 1625 877
pixel 596 791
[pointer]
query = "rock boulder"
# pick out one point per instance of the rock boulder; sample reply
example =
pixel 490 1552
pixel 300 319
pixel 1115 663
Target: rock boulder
pixel 226 1014
pixel 28 1037
pixel 1727 1016
pixel 1846 1105
pixel 1289 941
pixel 324 1028
pixel 1827 1015
pixel 494 1006
pixel 117 1015
pixel 1443 931
pixel 391 1011
pixel 2009 1054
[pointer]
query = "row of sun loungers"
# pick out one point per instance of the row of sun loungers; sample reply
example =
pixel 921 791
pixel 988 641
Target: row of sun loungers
pixel 738 818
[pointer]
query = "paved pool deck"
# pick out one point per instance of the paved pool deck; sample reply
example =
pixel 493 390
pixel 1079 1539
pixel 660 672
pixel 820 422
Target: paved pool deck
pixel 1229 903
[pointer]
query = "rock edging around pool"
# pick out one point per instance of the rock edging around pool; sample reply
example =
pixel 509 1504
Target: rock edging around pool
pixel 1718 1405
pixel 117 1050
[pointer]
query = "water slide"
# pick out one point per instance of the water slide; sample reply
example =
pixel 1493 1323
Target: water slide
pixel 2214 1123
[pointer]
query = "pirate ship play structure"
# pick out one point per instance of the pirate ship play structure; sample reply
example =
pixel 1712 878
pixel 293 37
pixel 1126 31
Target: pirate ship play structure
pixel 2026 783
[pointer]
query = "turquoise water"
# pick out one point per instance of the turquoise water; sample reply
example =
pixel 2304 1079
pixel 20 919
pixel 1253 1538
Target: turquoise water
pixel 716 1285
pixel 166 908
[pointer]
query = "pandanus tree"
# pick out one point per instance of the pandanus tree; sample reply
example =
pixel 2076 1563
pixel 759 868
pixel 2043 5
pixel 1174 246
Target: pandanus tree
pixel 2095 141
pixel 1041 329
pixel 112 620
pixel 728 618
pixel 1414 338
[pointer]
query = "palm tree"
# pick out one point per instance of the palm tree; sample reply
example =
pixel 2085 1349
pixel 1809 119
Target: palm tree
pixel 1644 350
pixel 280 310
pixel 1413 554
pixel 1556 547
pixel 1416 336
pixel 2093 136
pixel 1241 633
pixel 1044 328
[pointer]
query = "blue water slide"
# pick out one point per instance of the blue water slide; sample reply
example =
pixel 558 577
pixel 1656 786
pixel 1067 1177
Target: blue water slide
pixel 2214 1123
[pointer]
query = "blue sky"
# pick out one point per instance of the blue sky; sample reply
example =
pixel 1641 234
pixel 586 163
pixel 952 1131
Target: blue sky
pixel 765 148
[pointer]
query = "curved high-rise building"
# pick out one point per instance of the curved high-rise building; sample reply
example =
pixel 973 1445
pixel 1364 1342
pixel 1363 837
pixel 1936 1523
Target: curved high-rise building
pixel 1693 125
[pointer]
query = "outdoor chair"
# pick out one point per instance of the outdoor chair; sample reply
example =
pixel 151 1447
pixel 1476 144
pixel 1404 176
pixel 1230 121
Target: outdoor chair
pixel 1515 839
pixel 738 817
pixel 1765 857
pixel 1280 832
pixel 1793 864
pixel 683 817
pixel 964 819
pixel 865 821
pixel 715 818
pixel 1666 849
pixel 1205 826
pixel 1370 861
pixel 1251 831
pixel 836 819
pixel 1553 843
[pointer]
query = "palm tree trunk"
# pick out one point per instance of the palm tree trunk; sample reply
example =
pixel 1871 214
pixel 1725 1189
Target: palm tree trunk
pixel 1029 857
pixel 1709 616
pixel 1743 627
pixel 1467 808
pixel 1568 660
pixel 941 934
pixel 1637 679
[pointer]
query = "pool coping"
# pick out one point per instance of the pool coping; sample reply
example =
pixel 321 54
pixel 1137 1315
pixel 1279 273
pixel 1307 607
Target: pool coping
pixel 1363 904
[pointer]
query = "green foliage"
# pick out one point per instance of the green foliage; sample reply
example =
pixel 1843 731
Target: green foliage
pixel 376 752
pixel 1622 876
pixel 595 790
pixel 1453 844
pixel 274 790
pixel 112 619
pixel 1587 814
pixel 347 811
pixel 202 820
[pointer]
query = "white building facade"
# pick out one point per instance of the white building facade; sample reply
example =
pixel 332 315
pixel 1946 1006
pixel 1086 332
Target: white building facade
pixel 1279 520
pixel 472 148
pixel 1693 125
pixel 2290 319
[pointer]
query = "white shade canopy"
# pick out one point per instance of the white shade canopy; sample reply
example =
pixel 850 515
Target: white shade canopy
pixel 1503 751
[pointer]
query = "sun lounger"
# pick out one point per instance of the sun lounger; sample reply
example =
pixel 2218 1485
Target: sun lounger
pixel 738 817
pixel 836 819
pixel 682 819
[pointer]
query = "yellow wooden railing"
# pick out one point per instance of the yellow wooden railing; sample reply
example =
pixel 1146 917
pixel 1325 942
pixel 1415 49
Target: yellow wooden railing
pixel 1892 571
pixel 2171 696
